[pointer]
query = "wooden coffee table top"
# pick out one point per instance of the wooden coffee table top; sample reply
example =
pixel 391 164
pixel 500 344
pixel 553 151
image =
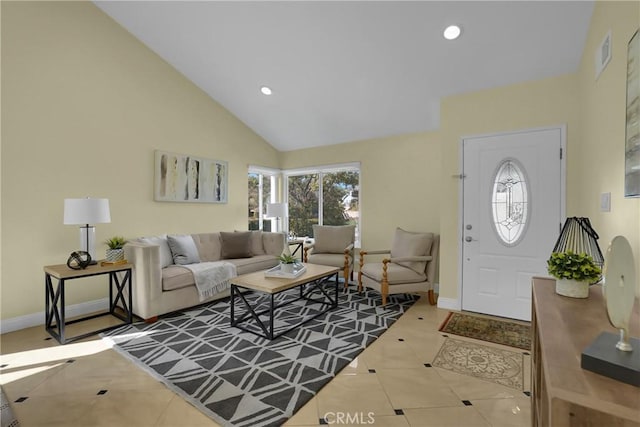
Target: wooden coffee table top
pixel 258 282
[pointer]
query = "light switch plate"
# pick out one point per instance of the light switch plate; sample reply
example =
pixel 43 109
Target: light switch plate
pixel 605 202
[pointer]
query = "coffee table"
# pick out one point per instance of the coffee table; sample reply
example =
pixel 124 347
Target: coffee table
pixel 315 278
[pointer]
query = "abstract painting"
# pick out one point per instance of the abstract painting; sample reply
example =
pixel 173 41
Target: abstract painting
pixel 184 178
pixel 632 142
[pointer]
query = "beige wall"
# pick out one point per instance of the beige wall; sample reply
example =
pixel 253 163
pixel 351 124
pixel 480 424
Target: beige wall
pixel 600 151
pixel 399 182
pixel 85 106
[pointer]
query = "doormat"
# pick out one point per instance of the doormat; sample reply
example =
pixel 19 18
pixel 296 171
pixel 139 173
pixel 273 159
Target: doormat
pixel 502 367
pixel 488 329
pixel 239 379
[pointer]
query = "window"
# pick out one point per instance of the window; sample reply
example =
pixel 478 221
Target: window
pixel 510 202
pixel 261 183
pixel 324 196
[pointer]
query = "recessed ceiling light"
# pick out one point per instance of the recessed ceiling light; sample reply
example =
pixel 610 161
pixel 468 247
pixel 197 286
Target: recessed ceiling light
pixel 265 90
pixel 452 32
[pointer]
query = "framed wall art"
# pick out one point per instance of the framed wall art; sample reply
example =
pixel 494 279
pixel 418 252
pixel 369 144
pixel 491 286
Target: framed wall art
pixel 185 178
pixel 632 132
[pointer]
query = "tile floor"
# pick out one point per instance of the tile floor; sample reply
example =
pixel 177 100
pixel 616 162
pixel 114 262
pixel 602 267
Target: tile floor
pixel 88 384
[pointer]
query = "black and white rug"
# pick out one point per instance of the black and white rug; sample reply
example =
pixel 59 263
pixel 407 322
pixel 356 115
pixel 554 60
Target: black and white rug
pixel 239 379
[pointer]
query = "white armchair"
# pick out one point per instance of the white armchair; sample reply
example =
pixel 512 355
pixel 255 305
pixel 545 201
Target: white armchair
pixel 411 266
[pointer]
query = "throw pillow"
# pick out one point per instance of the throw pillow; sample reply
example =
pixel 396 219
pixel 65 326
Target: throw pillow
pixel 236 245
pixel 332 239
pixel 255 242
pixel 407 243
pixel 183 249
pixel 166 259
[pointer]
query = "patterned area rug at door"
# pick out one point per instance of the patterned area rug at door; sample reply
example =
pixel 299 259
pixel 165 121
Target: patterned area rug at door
pixel 239 379
pixel 488 329
pixel 503 367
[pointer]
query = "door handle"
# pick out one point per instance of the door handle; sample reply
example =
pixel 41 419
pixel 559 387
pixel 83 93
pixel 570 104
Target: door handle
pixel 470 239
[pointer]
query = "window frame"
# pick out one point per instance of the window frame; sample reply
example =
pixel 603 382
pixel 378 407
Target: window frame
pixel 321 170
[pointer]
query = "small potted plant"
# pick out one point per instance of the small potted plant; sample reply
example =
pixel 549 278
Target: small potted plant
pixel 115 251
pixel 573 272
pixel 287 261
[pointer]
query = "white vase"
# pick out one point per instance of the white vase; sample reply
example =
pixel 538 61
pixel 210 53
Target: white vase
pixel 286 268
pixel 572 288
pixel 114 255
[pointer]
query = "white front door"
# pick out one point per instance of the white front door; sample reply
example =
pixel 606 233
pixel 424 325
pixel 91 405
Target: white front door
pixel 511 217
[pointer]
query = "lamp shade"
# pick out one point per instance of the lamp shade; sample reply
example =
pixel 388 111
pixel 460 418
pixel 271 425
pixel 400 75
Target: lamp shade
pixel 86 211
pixel 276 210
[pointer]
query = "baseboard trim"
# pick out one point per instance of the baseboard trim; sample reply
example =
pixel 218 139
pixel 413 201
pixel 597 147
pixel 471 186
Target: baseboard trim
pixel 448 303
pixel 35 319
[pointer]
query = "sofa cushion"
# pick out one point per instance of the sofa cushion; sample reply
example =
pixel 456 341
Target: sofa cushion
pixel 407 243
pixel 332 239
pixel 256 243
pixel 255 263
pixel 183 249
pixel 166 259
pixel 334 260
pixel 176 277
pixel 209 246
pixel 396 274
pixel 236 245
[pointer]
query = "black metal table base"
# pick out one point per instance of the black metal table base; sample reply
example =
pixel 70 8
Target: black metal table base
pixel 55 321
pixel 268 329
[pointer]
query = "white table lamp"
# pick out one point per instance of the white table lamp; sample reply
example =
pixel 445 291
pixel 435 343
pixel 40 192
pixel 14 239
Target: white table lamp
pixel 86 212
pixel 277 210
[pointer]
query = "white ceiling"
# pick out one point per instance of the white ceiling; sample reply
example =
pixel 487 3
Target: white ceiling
pixel 345 71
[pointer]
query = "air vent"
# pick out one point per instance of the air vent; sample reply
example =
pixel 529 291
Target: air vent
pixel 603 54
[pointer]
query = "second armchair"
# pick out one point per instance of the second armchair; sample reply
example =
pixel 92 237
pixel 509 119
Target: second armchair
pixel 333 246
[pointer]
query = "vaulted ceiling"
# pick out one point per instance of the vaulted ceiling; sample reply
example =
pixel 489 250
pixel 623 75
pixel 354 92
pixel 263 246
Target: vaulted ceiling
pixel 343 71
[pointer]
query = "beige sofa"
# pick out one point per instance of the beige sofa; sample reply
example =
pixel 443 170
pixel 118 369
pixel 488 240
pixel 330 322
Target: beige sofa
pixel 161 286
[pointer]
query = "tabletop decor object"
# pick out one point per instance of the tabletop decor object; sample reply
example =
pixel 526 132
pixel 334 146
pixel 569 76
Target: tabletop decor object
pixel 573 272
pixel 86 212
pixel 115 251
pixel 610 354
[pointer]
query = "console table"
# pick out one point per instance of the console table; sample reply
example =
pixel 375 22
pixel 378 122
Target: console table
pixel 564 394
pixel 55 321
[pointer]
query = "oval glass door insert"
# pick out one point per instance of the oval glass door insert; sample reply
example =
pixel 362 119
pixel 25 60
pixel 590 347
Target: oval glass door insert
pixel 510 202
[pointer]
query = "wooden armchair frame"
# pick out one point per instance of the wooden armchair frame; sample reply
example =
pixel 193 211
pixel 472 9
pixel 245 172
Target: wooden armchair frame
pixel 346 270
pixel 384 284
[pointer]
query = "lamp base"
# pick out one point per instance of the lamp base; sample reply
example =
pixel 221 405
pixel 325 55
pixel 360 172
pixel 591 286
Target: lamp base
pixel 88 241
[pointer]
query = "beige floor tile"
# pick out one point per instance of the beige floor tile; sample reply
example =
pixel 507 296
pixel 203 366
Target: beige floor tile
pixel 135 408
pixel 357 366
pixel 37 411
pixel 388 352
pixel 416 388
pixel 353 394
pixel 180 413
pixel 505 412
pixel 460 416
pixel 367 419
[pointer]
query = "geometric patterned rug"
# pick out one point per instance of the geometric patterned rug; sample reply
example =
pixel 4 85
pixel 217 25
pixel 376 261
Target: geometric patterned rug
pixel 487 363
pixel 239 379
pixel 488 329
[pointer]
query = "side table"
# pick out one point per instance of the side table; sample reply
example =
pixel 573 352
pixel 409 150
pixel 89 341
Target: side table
pixel 298 243
pixel 119 292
